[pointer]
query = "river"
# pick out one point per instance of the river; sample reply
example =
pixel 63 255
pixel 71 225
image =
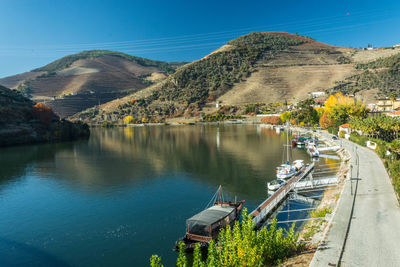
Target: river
pixel 124 194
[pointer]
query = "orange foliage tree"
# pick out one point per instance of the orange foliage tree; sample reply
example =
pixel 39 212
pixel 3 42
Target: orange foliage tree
pixel 274 120
pixel 325 121
pixel 43 113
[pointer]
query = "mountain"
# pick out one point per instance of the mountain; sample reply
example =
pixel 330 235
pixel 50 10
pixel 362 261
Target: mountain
pixel 80 81
pixel 257 67
pixel 24 122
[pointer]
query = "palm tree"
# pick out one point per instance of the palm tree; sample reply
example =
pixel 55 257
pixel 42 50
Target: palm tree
pixel 393 97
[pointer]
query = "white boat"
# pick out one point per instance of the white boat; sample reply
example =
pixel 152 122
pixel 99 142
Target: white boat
pixel 313 151
pixel 298 164
pixel 276 184
pixel 285 171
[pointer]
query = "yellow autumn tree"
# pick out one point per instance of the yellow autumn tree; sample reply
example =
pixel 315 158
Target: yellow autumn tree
pixel 340 108
pixel 128 119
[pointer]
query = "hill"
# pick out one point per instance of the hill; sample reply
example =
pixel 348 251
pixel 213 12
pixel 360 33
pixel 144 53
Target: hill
pixel 23 122
pixel 80 81
pixel 258 67
pixel 379 77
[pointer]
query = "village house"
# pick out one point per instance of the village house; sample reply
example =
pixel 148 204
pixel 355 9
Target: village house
pixel 394 114
pixel 385 105
pixel 346 129
pixel 317 94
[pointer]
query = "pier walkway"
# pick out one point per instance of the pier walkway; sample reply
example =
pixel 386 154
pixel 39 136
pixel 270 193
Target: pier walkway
pixel 271 202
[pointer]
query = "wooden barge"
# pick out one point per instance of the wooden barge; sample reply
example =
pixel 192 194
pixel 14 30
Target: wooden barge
pixel 204 226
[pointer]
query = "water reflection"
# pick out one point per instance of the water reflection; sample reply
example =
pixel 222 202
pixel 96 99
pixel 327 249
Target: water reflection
pixel 235 156
pixel 125 193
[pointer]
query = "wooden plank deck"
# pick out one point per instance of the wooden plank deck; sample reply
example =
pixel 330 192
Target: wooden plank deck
pixel 271 202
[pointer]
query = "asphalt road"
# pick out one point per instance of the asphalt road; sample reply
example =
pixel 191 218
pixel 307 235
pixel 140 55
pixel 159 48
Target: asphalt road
pixel 374 233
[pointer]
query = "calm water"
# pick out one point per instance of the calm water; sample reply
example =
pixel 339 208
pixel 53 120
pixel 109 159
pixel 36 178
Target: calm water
pixel 124 194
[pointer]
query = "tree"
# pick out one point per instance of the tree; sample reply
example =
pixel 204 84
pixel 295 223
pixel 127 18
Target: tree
pixel 393 97
pixel 341 108
pixel 306 112
pixel 197 256
pixel 155 261
pixel 244 246
pixel 285 116
pixel 128 119
pixel 43 113
pixel 182 259
pixel 274 120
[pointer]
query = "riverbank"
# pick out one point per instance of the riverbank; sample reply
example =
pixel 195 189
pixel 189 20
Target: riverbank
pixel 314 233
pixel 24 122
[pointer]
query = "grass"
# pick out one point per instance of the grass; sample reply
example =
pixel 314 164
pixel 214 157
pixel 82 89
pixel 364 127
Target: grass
pixel 314 226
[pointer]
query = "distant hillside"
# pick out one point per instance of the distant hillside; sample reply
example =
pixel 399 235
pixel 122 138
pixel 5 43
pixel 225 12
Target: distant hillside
pixel 67 61
pixel 24 122
pixel 95 77
pixel 258 67
pixel 379 77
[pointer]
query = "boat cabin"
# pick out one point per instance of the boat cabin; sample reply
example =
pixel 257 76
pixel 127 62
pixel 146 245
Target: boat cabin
pixel 205 225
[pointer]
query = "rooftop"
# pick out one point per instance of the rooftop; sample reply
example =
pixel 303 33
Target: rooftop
pixel 211 215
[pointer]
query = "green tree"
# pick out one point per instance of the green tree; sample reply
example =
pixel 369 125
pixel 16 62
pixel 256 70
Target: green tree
pixel 182 259
pixel 155 261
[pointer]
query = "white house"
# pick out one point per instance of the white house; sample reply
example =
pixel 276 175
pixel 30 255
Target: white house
pixel 346 129
pixel 317 94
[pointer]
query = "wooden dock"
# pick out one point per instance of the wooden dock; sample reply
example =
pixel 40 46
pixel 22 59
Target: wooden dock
pixel 271 202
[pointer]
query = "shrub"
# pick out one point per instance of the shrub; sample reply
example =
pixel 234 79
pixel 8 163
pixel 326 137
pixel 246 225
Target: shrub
pixel 274 120
pixel 43 113
pixel 128 119
pixel 244 246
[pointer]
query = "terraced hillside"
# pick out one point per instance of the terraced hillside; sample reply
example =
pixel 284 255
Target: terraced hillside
pixel 105 74
pixel 258 67
pixel 379 77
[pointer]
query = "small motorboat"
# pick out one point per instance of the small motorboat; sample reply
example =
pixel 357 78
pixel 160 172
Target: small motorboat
pixel 276 184
pixel 313 151
pixel 301 141
pixel 298 164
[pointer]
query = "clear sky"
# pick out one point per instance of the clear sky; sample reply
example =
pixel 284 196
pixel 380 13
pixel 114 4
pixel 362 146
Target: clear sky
pixel 36 32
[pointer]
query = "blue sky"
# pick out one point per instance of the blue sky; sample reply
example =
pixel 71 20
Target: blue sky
pixel 36 32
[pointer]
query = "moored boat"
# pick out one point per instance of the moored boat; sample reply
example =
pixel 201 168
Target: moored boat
pixel 301 141
pixel 298 164
pixel 313 151
pixel 205 225
pixel 285 171
pixel 276 184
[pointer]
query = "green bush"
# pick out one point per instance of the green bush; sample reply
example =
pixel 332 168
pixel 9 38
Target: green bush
pixel 243 246
pixel 394 169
